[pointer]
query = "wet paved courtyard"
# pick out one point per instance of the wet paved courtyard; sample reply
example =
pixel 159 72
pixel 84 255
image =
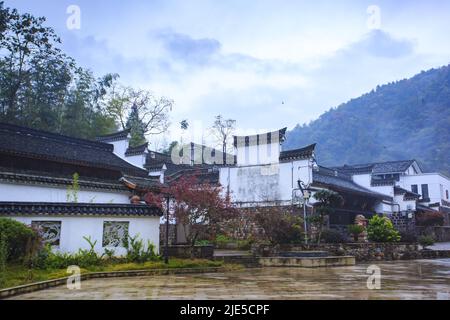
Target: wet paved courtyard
pixel 418 279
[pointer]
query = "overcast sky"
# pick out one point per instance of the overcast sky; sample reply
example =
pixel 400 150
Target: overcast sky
pixel 267 64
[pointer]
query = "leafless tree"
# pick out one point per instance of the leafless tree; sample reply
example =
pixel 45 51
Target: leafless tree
pixel 223 129
pixel 153 111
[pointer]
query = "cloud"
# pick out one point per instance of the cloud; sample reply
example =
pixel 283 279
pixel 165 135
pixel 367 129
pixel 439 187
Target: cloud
pixel 183 47
pixel 381 44
pixel 205 80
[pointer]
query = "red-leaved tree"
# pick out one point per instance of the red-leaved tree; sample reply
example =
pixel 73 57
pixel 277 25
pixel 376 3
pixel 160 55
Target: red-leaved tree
pixel 200 207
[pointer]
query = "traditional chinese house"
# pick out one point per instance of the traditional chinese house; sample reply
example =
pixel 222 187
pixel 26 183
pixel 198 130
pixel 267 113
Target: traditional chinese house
pixel 71 188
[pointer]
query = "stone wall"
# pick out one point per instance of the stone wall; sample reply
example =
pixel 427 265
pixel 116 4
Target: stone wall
pixel 401 221
pixel 361 251
pixel 440 234
pixel 186 251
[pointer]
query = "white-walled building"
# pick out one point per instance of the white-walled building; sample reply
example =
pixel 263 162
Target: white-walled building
pixel 264 175
pixel 261 173
pixel 413 190
pixel 38 188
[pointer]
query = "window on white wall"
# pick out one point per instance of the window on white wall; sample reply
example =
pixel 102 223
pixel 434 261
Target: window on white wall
pixel 115 233
pixel 425 194
pixel 49 231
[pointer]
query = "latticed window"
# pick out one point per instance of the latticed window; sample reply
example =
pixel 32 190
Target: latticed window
pixel 115 233
pixel 50 231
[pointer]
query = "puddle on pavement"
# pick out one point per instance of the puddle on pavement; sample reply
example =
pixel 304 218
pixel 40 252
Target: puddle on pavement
pixel 416 279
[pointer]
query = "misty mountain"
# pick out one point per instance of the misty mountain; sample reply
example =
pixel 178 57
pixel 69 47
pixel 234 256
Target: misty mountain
pixel 407 119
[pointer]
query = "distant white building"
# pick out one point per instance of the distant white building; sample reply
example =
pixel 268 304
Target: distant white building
pixel 412 189
pixel 265 175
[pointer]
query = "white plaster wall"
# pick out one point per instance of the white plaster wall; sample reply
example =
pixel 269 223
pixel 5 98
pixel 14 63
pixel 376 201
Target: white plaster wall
pixel 120 147
pixel 434 181
pixel 258 154
pixel 404 205
pixel 73 229
pixel 137 160
pixel 382 207
pixel 365 180
pixel 30 193
pixel 262 183
pixel 362 179
pixel 387 190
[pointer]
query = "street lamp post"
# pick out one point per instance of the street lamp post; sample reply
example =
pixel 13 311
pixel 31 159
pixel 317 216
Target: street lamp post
pixel 306 195
pixel 304 188
pixel 166 246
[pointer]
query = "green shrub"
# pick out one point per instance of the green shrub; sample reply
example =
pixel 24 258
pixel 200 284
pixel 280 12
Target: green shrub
pixel 426 241
pixel 355 230
pixel 245 244
pixel 85 258
pixel 279 227
pixel 221 240
pixel 19 239
pixel 49 259
pixel 202 242
pixel 138 252
pixel 381 229
pixel 332 236
pixel 3 258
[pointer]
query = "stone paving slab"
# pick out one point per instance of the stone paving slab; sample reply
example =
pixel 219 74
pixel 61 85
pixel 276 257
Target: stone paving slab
pixel 413 279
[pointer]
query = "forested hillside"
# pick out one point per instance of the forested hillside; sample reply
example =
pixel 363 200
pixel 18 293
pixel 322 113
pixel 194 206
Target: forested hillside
pixel 401 120
pixel 44 88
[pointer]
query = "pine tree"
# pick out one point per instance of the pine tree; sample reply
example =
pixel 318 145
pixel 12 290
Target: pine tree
pixel 136 126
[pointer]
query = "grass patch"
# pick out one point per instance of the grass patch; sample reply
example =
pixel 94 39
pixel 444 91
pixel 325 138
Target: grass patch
pixel 16 275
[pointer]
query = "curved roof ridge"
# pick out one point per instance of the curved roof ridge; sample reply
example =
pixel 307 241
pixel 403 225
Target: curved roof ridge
pixel 115 136
pixel 55 136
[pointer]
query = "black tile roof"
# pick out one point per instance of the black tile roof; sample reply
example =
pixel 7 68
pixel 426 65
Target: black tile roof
pixel 149 183
pixel 377 167
pixel 257 139
pixel 76 209
pixel 45 178
pixel 155 160
pixel 422 208
pixel 376 182
pixel 133 151
pixel 302 153
pixel 406 193
pixel 203 175
pixel 116 136
pixel 36 144
pixel 337 181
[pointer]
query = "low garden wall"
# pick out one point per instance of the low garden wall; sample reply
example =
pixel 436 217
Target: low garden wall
pixel 361 251
pixel 440 234
pixel 187 251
